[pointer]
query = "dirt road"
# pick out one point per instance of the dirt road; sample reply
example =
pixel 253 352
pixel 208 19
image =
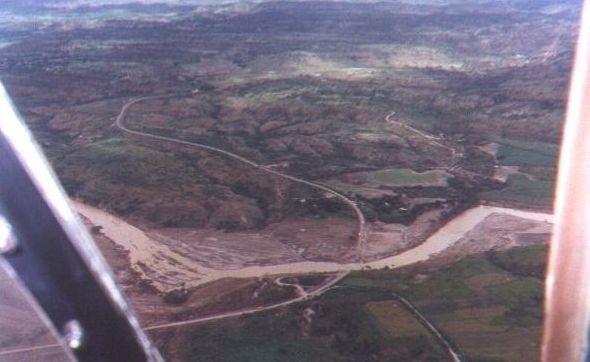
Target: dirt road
pixel 142 247
pixel 361 231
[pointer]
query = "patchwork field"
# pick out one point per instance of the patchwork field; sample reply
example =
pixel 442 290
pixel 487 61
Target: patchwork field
pixel 488 306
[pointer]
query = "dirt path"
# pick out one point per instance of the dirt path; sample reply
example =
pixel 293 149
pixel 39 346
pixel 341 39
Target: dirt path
pixel 157 262
pixel 453 352
pixel 430 138
pixel 243 312
pixel 361 231
pixel 296 286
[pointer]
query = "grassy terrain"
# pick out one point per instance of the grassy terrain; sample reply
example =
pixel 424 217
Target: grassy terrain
pixel 119 161
pixel 535 159
pixel 349 330
pixel 394 320
pixel 315 102
pixel 540 172
pixel 521 189
pixel 486 304
pixel 407 177
pixel 261 338
pixel 520 153
pixel 523 261
pixel 489 305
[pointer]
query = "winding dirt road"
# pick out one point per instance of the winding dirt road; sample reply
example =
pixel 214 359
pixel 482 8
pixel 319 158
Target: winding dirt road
pixel 430 138
pixel 295 286
pixel 439 241
pixel 361 231
pixel 448 235
pixel 139 244
pixel 243 312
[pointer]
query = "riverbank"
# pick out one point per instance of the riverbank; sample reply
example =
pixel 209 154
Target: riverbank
pixel 168 269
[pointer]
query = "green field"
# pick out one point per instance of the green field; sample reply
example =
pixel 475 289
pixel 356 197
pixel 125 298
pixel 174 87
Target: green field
pixel 256 339
pixel 119 161
pixel 520 153
pixel 394 320
pixel 407 177
pixel 521 189
pixel 526 262
pixel 540 172
pixel 537 164
pixel 487 305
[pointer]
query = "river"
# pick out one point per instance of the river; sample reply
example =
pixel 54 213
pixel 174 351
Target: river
pixel 164 262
